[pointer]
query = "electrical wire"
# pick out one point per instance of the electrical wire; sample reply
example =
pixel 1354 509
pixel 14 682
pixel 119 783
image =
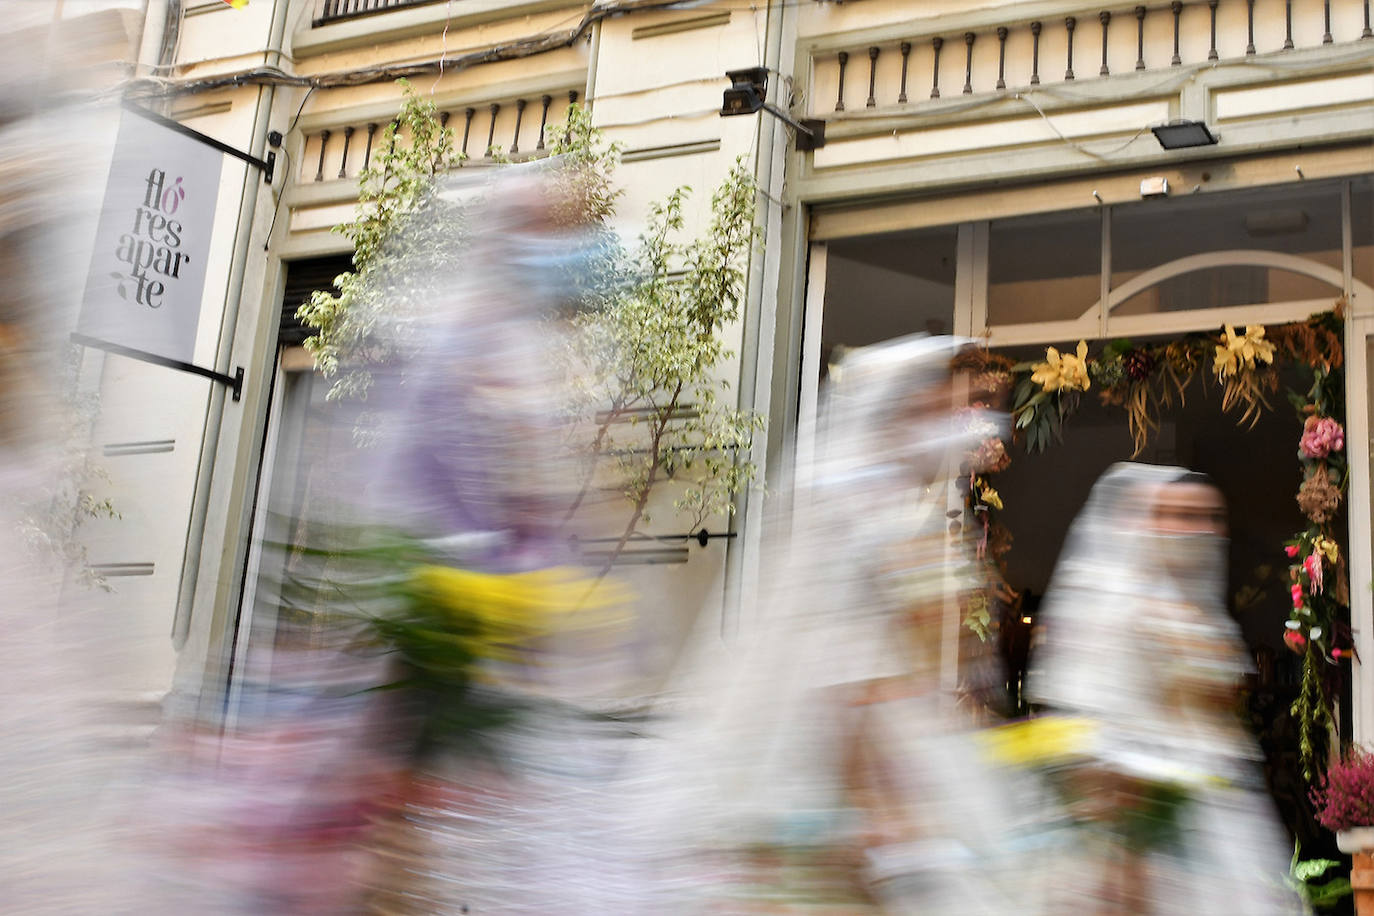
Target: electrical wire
pixel 1072 143
pixel 443 50
pixel 286 169
pixel 541 43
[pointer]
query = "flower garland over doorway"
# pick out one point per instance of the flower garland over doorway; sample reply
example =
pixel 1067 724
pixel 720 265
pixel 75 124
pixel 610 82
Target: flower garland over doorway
pixel 1144 380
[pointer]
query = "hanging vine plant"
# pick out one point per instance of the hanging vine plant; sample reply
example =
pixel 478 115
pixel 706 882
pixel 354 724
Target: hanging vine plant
pixel 1144 380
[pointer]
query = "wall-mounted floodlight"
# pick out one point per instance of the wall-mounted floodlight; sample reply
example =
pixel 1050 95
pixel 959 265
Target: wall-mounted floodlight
pixel 1184 134
pixel 746 94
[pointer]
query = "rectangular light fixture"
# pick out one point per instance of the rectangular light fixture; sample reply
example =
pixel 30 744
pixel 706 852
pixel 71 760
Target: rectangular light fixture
pixel 747 95
pixel 748 88
pixel 1183 135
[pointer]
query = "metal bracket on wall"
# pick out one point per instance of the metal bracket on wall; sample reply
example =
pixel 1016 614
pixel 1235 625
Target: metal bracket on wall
pixel 234 382
pixel 267 166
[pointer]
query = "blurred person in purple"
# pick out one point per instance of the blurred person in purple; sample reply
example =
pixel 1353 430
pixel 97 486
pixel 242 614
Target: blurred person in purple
pixel 324 795
pixel 471 443
pixel 1170 804
pixel 472 459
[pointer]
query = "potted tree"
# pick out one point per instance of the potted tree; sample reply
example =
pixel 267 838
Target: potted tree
pixel 1345 804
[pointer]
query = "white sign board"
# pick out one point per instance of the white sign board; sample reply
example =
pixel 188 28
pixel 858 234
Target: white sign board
pixel 152 241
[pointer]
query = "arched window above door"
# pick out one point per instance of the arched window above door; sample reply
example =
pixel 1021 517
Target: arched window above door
pixel 1177 263
pixel 1222 279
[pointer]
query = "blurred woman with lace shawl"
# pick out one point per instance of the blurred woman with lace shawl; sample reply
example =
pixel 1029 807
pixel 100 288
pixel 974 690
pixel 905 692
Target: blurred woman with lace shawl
pixel 831 772
pixel 1140 654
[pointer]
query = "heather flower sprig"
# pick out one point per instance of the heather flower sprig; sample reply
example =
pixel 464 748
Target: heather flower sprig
pixel 1345 797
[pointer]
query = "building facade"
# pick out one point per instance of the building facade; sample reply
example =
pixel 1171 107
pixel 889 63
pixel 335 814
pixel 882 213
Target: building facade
pixel 984 172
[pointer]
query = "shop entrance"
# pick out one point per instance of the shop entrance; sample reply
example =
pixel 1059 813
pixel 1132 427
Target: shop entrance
pixel 1160 269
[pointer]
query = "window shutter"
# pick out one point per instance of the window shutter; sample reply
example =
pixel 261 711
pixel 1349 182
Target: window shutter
pixel 302 279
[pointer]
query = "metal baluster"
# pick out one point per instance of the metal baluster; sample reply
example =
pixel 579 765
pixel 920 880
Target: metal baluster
pixel 567 128
pixel 1212 54
pixel 872 77
pixel 546 101
pixel 1069 24
pixel 1368 32
pixel 467 127
pixel 367 153
pixel 1140 38
pixel 1288 25
pixel 324 140
pixel 343 163
pixel 519 116
pixel 443 119
pixel 839 97
pixel 1035 53
pixel 1105 18
pixel 1001 57
pixel 968 62
pixel 1177 7
pixel 491 128
pixel 1326 8
pixel 906 58
pixel 1250 12
pixel 937 43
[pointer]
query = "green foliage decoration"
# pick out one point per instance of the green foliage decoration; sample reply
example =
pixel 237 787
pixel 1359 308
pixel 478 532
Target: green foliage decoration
pixel 645 356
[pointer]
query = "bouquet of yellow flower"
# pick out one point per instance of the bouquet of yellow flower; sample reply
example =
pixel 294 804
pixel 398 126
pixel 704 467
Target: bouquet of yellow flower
pixel 1141 812
pixel 465 642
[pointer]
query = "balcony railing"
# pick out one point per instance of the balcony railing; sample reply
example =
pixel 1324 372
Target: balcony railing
pixel 327 11
pixel 1025 53
pixel 517 129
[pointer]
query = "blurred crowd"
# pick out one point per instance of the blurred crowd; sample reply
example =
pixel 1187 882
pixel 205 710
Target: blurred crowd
pixel 428 713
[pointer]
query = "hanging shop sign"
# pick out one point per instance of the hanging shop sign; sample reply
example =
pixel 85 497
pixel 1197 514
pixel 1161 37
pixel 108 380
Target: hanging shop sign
pixel 147 275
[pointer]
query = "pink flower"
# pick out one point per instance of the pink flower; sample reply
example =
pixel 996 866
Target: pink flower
pixel 1295 641
pixel 1297 596
pixel 1291 550
pixel 1313 567
pixel 1337 653
pixel 1321 436
pixel 1344 799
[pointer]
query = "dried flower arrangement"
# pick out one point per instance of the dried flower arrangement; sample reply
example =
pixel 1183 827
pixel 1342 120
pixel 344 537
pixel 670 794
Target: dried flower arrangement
pixel 1143 379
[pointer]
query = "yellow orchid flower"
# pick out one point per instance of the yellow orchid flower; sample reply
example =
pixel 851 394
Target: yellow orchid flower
pixel 1327 548
pixel 990 496
pixel 1236 352
pixel 1063 372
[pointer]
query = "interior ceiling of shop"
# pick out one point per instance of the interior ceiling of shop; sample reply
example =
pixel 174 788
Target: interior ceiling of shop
pixel 882 286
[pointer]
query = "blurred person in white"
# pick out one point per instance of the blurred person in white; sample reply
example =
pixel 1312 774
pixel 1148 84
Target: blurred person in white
pixel 63 743
pixel 830 771
pixel 1171 811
